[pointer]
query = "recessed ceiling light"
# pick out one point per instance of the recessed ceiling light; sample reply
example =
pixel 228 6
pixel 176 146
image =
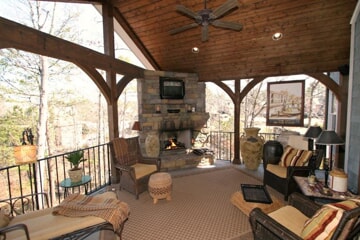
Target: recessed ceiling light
pixel 195 50
pixel 277 36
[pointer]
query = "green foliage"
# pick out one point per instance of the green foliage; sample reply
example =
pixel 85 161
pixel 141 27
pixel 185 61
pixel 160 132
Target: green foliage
pixel 75 158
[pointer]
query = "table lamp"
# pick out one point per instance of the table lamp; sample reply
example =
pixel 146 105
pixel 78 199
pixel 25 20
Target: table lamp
pixel 329 138
pixel 312 133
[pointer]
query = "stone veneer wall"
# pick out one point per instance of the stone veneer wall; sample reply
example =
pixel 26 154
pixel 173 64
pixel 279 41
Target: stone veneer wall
pixel 149 99
pixel 353 168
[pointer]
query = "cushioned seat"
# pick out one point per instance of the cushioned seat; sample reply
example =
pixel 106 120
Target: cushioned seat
pixel 304 219
pixel 295 223
pixel 43 224
pixel 142 170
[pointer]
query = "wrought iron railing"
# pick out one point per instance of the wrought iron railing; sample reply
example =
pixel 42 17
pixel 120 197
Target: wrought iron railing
pixel 46 174
pixel 222 143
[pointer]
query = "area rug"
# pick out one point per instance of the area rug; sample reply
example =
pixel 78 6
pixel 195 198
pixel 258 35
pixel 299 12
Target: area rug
pixel 200 209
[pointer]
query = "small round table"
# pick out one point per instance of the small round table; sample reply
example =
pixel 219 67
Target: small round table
pixel 66 184
pixel 160 185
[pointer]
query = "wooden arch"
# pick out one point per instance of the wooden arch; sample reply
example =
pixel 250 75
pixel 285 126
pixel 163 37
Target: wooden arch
pixel 237 96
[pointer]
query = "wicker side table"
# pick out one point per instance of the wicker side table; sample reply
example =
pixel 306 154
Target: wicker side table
pixel 160 185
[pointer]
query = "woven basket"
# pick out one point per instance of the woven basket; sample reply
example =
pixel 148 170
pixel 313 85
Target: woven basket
pixel 25 154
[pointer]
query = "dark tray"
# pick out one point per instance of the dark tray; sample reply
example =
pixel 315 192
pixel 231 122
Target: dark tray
pixel 255 193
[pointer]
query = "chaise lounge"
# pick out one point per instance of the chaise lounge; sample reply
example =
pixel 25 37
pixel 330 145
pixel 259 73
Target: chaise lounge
pixel 73 221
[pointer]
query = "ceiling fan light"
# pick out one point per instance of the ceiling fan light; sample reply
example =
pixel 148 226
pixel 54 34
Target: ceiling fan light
pixel 195 50
pixel 277 36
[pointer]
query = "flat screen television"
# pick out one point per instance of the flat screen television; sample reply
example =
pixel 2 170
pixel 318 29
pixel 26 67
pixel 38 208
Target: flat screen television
pixel 171 88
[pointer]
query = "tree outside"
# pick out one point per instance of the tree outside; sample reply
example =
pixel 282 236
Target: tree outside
pixel 49 94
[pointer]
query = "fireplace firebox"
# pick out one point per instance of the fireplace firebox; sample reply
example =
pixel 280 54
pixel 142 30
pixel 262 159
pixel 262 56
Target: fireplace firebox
pixel 175 139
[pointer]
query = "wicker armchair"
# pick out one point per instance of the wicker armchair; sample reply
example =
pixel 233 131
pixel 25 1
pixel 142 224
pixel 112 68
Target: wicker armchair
pixel 133 169
pixel 281 178
pixel 264 226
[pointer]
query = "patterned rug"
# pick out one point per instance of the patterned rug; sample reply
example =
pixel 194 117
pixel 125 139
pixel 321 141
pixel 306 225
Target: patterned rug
pixel 200 209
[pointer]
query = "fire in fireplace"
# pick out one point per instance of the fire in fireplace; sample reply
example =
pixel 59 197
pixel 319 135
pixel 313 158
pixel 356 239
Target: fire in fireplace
pixel 177 139
pixel 173 143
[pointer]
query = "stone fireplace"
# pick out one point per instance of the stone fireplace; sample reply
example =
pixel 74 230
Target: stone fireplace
pixel 170 119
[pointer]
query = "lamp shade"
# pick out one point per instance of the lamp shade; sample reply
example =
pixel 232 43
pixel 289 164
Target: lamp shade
pixel 136 126
pixel 329 137
pixel 313 132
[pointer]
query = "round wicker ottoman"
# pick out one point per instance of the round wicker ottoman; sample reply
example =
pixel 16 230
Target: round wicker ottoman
pixel 160 185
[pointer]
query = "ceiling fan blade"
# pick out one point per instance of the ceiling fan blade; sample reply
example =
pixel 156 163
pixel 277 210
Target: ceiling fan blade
pixel 228 25
pixel 183 28
pixel 204 33
pixel 188 12
pixel 227 6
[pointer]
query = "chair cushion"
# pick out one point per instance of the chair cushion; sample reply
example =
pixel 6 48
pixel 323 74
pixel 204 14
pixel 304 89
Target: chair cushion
pixel 277 169
pixel 325 221
pixel 142 169
pixel 295 157
pixel 290 217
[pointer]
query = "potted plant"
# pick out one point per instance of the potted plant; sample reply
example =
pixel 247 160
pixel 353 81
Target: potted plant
pixel 75 158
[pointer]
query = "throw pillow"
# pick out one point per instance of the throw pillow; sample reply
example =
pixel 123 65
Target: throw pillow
pixel 295 157
pixel 325 221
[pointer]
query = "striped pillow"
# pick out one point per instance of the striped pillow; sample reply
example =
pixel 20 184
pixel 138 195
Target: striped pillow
pixel 325 221
pixel 295 157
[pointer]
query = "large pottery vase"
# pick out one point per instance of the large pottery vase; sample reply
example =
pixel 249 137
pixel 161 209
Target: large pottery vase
pixel 251 148
pixel 272 152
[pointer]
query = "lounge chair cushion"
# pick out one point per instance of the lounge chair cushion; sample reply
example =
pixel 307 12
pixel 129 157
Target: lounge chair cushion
pixel 277 169
pixel 325 221
pixel 291 218
pixel 295 157
pixel 142 169
pixel 43 224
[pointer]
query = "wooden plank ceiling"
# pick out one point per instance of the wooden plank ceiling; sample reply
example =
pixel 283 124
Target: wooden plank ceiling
pixel 316 36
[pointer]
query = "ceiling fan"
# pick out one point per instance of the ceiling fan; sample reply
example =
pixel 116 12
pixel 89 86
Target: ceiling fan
pixel 206 16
